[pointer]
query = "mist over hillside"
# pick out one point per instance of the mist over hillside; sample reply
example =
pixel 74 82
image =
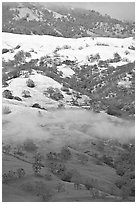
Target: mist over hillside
pixel 68 105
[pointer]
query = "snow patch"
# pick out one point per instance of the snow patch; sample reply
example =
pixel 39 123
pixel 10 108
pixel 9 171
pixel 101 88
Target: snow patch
pixel 67 71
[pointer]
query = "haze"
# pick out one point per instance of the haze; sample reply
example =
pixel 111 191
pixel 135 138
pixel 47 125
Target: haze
pixel 118 10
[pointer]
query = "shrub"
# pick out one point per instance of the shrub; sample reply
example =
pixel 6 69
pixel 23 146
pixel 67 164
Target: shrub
pixel 117 57
pixel 120 170
pixel 37 165
pixel 28 54
pixel 4 83
pixel 61 106
pixel 59 169
pixel 20 172
pixel 26 75
pixel 65 154
pixel 125 167
pixel 50 90
pixel 94 193
pixel 66 47
pixel 4 178
pixel 114 111
pixel 52 156
pixel 17 47
pixel 7 94
pixel 19 150
pixel 66 175
pixel 57 49
pixel 6 148
pixel 131 47
pixel 108 160
pixel 127 52
pixel 119 183
pixel 17 98
pixel 76 178
pixel 56 167
pixel 29 146
pixel 63 88
pixel 103 63
pixel 36 105
pixel 101 44
pixel 68 62
pixel 13 74
pixel 80 48
pixel 93 58
pixel 20 57
pixel 10 175
pixel 30 83
pixel 87 45
pixel 128 189
pixel 90 183
pixel 6 110
pixel 26 94
pixel 57 95
pixel 5 50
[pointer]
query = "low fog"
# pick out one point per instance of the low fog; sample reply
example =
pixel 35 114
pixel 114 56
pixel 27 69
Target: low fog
pixel 64 126
pixel 99 125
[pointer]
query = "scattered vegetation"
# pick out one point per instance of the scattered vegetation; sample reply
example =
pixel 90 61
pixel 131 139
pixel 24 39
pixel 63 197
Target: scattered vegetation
pixel 37 165
pixel 36 105
pixel 26 94
pixel 40 189
pixel 30 83
pixel 90 183
pixel 125 167
pixel 7 94
pixel 17 98
pixel 4 50
pixel 11 175
pixel 6 148
pixel 54 93
pixel 75 25
pixel 65 154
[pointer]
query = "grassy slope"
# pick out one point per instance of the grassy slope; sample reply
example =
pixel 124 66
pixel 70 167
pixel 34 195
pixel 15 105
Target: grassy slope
pixel 13 192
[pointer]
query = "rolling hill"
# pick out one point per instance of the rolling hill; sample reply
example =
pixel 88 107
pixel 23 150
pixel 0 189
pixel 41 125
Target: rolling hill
pixel 68 105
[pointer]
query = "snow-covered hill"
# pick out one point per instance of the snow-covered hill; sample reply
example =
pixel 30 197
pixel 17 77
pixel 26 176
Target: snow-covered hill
pixel 91 66
pixel 68 105
pixel 71 49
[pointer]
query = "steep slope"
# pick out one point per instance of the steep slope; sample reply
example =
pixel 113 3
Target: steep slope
pixel 35 18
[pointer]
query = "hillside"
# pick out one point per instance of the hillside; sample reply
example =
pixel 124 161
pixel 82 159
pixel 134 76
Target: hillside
pixel 68 105
pixel 35 18
pixel 79 66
